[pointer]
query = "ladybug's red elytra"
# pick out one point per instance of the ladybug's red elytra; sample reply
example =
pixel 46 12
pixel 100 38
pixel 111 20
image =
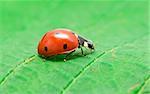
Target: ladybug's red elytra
pixel 62 41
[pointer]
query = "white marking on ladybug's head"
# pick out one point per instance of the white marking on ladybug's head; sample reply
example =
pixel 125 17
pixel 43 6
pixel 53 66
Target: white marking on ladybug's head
pixel 61 36
pixel 85 44
pixel 88 44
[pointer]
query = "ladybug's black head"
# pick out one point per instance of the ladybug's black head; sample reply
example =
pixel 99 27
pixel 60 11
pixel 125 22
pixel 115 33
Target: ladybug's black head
pixel 86 43
pixel 89 44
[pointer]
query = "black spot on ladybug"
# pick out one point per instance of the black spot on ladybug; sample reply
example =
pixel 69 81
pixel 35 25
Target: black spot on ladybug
pixel 73 33
pixel 45 48
pixel 65 46
pixel 57 33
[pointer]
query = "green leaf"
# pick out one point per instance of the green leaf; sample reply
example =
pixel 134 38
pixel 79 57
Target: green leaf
pixel 119 30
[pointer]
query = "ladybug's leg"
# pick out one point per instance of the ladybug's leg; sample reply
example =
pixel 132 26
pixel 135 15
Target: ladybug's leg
pixel 68 55
pixel 81 50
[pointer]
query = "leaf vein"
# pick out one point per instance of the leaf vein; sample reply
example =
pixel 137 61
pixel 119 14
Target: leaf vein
pixel 81 72
pixel 143 85
pixel 14 68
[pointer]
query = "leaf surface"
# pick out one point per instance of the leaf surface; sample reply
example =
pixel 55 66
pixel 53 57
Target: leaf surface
pixel 119 30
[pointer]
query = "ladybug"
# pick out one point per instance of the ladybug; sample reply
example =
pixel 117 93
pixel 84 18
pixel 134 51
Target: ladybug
pixel 62 41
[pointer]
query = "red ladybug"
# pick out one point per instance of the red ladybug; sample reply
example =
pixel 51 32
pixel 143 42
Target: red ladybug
pixel 62 41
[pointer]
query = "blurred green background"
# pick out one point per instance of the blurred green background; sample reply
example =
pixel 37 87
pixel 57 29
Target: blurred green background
pixel 118 28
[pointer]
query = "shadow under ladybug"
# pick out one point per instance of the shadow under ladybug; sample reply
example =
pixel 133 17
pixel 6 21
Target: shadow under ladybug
pixel 70 56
